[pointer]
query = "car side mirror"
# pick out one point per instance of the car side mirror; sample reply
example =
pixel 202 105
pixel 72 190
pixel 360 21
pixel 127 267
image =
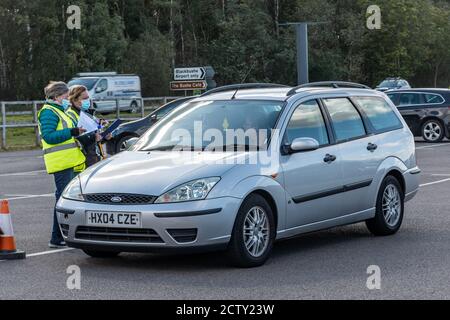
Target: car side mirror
pixel 301 145
pixel 98 90
pixel 131 142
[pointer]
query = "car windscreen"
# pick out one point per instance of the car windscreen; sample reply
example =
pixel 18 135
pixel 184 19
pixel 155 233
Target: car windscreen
pixel 88 83
pixel 389 84
pixel 215 125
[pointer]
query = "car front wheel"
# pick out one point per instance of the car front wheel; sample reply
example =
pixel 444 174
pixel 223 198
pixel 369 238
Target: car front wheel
pixel 389 210
pixel 121 145
pixel 253 234
pixel 432 131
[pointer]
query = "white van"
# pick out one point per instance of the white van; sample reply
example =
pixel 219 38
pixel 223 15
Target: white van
pixel 105 87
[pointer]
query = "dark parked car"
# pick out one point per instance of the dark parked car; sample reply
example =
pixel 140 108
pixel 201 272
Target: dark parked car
pixel 426 111
pixel 135 129
pixel 393 84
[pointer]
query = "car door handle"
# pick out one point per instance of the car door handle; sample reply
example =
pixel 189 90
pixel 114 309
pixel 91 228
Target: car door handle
pixel 329 158
pixel 372 147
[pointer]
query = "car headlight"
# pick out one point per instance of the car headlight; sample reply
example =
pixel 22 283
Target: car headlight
pixel 73 190
pixel 191 191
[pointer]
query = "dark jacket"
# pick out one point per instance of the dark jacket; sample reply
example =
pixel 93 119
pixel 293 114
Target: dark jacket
pixel 89 146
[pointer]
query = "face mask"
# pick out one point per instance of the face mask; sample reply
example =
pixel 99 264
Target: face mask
pixel 65 104
pixel 85 105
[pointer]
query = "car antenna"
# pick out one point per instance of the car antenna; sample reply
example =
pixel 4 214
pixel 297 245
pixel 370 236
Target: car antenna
pixel 243 80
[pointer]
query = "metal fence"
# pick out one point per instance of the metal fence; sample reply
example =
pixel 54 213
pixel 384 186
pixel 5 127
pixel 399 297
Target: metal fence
pixel 31 108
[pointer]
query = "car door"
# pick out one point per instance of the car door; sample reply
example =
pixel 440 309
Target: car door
pixel 312 179
pixel 101 96
pixel 359 151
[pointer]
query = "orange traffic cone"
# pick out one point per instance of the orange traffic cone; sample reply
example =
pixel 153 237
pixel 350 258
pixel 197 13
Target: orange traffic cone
pixel 8 250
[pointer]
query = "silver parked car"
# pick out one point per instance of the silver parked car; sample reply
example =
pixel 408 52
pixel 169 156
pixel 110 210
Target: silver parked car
pixel 322 157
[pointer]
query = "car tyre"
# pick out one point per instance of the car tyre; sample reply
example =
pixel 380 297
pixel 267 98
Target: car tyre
pixel 389 208
pixel 101 254
pixel 255 224
pixel 120 145
pixel 433 131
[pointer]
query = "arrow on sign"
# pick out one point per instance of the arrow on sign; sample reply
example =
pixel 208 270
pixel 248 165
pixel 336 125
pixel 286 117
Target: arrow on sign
pixel 186 74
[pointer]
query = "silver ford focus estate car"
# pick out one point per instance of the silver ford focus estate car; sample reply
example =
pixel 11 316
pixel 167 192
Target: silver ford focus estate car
pixel 243 166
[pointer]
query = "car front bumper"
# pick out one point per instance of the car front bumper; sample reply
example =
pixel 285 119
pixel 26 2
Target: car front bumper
pixel 213 222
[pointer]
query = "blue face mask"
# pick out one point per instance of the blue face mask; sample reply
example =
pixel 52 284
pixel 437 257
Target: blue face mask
pixel 85 105
pixel 65 104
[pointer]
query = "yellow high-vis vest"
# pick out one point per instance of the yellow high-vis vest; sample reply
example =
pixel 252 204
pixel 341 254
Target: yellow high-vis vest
pixel 76 117
pixel 65 155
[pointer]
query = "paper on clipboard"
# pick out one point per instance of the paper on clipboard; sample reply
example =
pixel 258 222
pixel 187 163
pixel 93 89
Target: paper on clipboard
pixel 87 123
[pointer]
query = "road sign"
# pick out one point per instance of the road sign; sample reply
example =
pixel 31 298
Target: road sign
pixel 188 85
pixel 186 74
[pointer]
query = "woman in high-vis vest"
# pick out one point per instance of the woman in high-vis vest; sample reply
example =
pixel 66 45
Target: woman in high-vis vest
pixel 61 151
pixel 81 102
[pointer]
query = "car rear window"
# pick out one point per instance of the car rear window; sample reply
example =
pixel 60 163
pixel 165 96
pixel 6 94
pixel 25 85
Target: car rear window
pixel 379 113
pixel 433 98
pixel 347 122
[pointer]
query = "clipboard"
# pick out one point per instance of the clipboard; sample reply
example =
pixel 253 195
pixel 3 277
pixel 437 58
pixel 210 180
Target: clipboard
pixel 111 128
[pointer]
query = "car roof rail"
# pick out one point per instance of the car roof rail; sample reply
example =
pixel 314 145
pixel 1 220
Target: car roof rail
pixel 332 84
pixel 234 87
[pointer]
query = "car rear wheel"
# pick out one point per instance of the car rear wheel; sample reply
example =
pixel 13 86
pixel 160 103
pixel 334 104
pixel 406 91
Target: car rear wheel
pixel 101 254
pixel 389 210
pixel 121 145
pixel 253 233
pixel 433 131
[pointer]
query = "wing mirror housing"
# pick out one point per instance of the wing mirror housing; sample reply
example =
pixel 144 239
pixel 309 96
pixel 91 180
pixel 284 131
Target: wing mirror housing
pixel 300 145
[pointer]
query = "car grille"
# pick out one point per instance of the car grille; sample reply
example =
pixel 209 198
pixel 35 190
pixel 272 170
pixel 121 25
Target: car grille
pixel 118 235
pixel 183 235
pixel 119 199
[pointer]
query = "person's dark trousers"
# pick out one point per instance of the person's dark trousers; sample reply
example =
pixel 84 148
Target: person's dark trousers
pixel 62 179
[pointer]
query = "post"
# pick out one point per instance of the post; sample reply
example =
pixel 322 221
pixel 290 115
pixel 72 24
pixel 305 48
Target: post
pixel 36 122
pixel 117 108
pixel 142 107
pixel 302 53
pixel 3 125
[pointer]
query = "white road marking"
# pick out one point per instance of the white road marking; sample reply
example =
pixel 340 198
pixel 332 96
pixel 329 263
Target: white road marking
pixel 434 182
pixel 433 146
pixel 44 253
pixel 22 197
pixel 29 173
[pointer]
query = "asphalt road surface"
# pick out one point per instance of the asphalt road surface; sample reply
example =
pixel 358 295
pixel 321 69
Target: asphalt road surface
pixel 332 264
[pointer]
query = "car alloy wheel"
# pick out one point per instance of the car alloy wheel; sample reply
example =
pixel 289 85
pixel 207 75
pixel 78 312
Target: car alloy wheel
pixel 432 131
pixel 256 231
pixel 389 208
pixel 391 205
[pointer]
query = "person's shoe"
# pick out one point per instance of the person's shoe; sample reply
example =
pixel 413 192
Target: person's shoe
pixel 59 245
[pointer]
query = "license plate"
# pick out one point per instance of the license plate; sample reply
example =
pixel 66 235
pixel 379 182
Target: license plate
pixel 113 219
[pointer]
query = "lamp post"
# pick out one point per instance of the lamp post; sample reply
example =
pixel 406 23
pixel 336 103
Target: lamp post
pixel 301 30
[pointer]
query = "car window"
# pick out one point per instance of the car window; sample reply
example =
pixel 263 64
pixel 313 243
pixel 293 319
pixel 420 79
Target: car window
pixel 433 98
pixel 410 99
pixel 307 122
pixel 246 123
pixel 168 108
pixel 380 114
pixel 102 85
pixel 347 122
pixel 393 97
